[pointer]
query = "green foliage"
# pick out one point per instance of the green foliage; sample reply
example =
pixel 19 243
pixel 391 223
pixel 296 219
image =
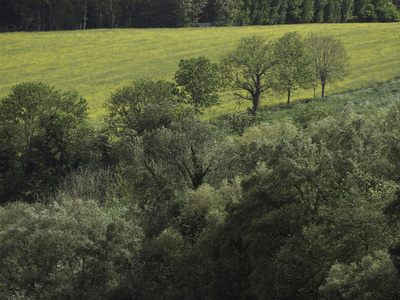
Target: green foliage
pixel 145 105
pixel 189 12
pixel 241 120
pixel 54 15
pixel 392 142
pixel 359 223
pixel 89 184
pixel 191 264
pixel 294 66
pixel 330 57
pixel 67 249
pixel 248 68
pixel 166 161
pixel 98 62
pixel 227 11
pixel 377 11
pixel 312 112
pixel 280 211
pixel 199 81
pixel 266 220
pixel 373 278
pixel 45 133
pixel 186 211
pixel 204 208
pixel 313 197
pixel 188 149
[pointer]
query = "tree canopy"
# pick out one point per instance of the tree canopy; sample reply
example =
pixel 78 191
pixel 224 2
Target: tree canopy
pixel 330 58
pixel 294 64
pixel 249 68
pixel 199 81
pixel 44 132
pixel 128 107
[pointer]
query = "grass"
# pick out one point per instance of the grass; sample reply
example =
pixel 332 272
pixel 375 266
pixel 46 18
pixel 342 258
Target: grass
pixel 377 95
pixel 97 62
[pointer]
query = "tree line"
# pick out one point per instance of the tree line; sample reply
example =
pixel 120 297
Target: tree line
pixel 159 204
pixel 84 14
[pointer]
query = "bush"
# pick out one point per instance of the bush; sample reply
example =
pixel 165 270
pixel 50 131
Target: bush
pixel 312 112
pixel 239 121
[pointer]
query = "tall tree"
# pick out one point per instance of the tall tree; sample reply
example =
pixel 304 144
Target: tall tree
pixel 249 68
pixel 330 59
pixel 226 11
pixel 9 21
pixel 319 7
pixel 294 64
pixel 374 276
pixel 332 13
pixel 189 11
pixel 347 7
pixel 278 12
pixel 359 8
pixel 294 11
pixel 261 11
pixel 47 133
pixel 128 106
pixel 307 13
pixel 199 81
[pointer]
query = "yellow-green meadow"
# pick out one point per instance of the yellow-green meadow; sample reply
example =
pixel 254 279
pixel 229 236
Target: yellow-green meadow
pixel 97 62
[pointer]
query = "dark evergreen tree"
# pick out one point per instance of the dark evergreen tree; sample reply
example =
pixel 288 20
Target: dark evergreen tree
pixel 319 7
pixel 294 11
pixel 307 13
pixel 332 11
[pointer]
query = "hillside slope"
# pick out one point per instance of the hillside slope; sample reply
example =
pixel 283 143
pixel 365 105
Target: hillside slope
pixel 97 62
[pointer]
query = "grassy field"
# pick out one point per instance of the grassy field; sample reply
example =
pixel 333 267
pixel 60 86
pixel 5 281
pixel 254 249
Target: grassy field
pixel 378 95
pixel 97 62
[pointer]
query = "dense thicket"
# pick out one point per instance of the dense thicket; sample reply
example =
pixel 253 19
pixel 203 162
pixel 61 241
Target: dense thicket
pixel 83 14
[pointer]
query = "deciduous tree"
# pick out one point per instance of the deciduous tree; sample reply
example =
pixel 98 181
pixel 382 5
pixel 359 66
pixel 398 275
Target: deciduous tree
pixel 249 68
pixel 226 12
pixel 189 11
pixel 47 133
pixel 374 277
pixel 294 64
pixel 330 59
pixel 144 105
pixel 199 81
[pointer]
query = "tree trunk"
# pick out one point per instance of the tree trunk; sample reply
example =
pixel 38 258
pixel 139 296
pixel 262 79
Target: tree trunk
pixel 256 99
pixel 85 15
pixel 84 19
pixel 51 21
pixel 112 15
pixel 288 97
pixel 39 22
pixel 323 90
pixel 256 96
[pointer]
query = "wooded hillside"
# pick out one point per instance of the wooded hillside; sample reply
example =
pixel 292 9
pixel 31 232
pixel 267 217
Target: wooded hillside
pixel 300 209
